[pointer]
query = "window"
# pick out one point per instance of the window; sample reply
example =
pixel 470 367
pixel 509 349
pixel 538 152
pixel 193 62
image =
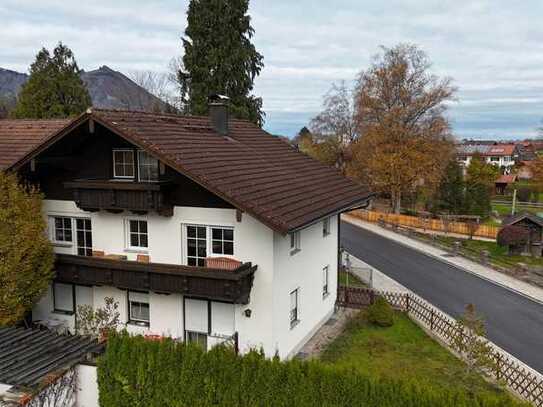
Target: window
pixel 147 167
pixel 494 159
pixel 197 337
pixel 62 230
pixel 83 230
pixel 123 163
pixel 325 291
pixel 294 315
pixel 64 298
pixel 138 304
pixel 137 234
pixel 326 227
pixel 294 242
pixel 196 245
pixel 222 241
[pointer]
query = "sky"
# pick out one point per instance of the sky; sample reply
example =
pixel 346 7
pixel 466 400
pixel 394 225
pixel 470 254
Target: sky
pixel 492 49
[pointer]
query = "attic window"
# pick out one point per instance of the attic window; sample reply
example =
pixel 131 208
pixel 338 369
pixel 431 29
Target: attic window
pixel 123 163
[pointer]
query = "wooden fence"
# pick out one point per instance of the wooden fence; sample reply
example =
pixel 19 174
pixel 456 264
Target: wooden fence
pixel 439 225
pixel 522 380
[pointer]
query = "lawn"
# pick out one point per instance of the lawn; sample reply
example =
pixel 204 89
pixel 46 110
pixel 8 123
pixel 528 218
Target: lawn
pixel 498 254
pixel 403 351
pixel 350 279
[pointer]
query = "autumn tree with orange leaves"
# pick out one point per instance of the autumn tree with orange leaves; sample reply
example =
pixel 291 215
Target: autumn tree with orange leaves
pixel 404 137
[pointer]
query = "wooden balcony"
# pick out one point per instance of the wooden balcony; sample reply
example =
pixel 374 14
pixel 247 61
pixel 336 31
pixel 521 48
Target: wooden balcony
pixel 117 196
pixel 215 284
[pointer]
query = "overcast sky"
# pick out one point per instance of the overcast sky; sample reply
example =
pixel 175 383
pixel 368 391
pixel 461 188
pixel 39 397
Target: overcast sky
pixel 493 49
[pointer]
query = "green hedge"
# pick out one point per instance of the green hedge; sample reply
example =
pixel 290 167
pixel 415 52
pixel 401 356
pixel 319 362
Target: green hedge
pixel 136 373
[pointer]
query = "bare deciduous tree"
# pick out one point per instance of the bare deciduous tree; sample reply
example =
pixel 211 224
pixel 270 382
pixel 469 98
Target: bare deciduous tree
pixel 158 84
pixel 405 138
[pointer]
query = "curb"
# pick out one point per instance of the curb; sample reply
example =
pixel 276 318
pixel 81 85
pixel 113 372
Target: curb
pixel 461 268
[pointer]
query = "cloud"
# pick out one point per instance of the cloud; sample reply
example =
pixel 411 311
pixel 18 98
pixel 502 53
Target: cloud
pixel 492 49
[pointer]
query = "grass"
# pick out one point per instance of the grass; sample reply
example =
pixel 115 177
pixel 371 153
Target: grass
pixel 498 254
pixel 353 281
pixel 403 351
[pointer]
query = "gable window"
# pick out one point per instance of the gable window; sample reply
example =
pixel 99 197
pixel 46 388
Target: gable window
pixel 147 167
pixel 138 308
pixel 326 227
pixel 222 241
pixel 196 245
pixel 64 298
pixel 62 232
pixel 295 244
pixel 123 163
pixel 138 237
pixel 294 314
pixel 325 291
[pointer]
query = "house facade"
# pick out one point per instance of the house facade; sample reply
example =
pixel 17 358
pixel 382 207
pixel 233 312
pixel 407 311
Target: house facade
pixel 501 155
pixel 204 229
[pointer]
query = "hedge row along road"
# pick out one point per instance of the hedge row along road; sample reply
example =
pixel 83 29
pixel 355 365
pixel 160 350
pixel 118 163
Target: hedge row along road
pixel 513 322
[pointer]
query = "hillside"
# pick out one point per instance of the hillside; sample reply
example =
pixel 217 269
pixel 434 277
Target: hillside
pixel 108 89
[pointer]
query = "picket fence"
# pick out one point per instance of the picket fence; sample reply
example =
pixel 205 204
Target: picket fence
pixel 438 225
pixel 522 380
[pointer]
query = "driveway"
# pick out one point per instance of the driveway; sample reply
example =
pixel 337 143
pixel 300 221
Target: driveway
pixel 513 322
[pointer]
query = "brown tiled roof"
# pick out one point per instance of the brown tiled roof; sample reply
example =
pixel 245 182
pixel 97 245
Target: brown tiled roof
pixel 255 171
pixel 506 179
pixel 20 137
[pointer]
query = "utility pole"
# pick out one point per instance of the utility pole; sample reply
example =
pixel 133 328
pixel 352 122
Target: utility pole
pixel 514 201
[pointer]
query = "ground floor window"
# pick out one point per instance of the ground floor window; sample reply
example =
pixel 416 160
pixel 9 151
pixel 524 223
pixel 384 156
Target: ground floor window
pixel 196 337
pixel 294 314
pixel 138 308
pixel 64 298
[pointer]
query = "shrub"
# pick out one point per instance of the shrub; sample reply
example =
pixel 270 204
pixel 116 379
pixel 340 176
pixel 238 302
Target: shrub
pixel 135 372
pixel 513 235
pixel 380 313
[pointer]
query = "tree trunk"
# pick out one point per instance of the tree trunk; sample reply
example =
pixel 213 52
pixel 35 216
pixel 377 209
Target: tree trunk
pixel 396 199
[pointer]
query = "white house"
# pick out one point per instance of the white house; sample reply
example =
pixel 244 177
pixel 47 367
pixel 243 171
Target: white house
pixel 201 228
pixel 501 155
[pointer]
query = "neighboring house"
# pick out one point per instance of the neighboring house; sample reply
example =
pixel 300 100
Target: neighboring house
pixel 534 224
pixel 525 170
pixel 502 155
pixel 44 369
pixel 503 182
pixel 201 228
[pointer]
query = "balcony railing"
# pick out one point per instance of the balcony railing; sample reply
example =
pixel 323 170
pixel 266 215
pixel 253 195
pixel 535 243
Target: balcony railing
pixel 215 284
pixel 115 195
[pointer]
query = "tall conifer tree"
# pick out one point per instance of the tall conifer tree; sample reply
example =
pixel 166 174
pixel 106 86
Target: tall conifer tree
pixel 54 88
pixel 220 58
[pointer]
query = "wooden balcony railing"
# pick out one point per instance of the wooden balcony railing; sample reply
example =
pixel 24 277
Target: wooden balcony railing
pixel 215 284
pixel 114 195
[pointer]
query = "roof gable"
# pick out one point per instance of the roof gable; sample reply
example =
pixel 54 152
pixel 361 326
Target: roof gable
pixel 251 169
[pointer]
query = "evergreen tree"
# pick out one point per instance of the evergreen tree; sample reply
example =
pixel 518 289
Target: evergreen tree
pixel 220 58
pixel 479 180
pixel 450 193
pixel 54 88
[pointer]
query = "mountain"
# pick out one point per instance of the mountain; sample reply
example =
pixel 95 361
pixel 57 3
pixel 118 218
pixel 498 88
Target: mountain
pixel 108 89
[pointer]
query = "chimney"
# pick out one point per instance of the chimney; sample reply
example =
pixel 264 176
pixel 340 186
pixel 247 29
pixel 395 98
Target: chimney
pixel 218 113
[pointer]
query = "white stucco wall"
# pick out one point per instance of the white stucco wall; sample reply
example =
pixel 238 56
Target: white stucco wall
pixel 87 386
pixel 303 270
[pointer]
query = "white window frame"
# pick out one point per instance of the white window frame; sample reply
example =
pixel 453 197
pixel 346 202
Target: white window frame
pixel 326 227
pixel 295 242
pixel 209 240
pixel 325 281
pixel 223 228
pixel 147 165
pixel 128 233
pixel 140 300
pixel 53 230
pixel 294 319
pixel 125 150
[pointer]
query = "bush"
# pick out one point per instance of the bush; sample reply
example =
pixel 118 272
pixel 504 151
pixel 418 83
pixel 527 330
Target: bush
pixel 513 235
pixel 135 372
pixel 380 313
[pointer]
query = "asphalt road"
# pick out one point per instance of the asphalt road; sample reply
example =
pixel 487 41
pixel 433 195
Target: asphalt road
pixel 513 322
